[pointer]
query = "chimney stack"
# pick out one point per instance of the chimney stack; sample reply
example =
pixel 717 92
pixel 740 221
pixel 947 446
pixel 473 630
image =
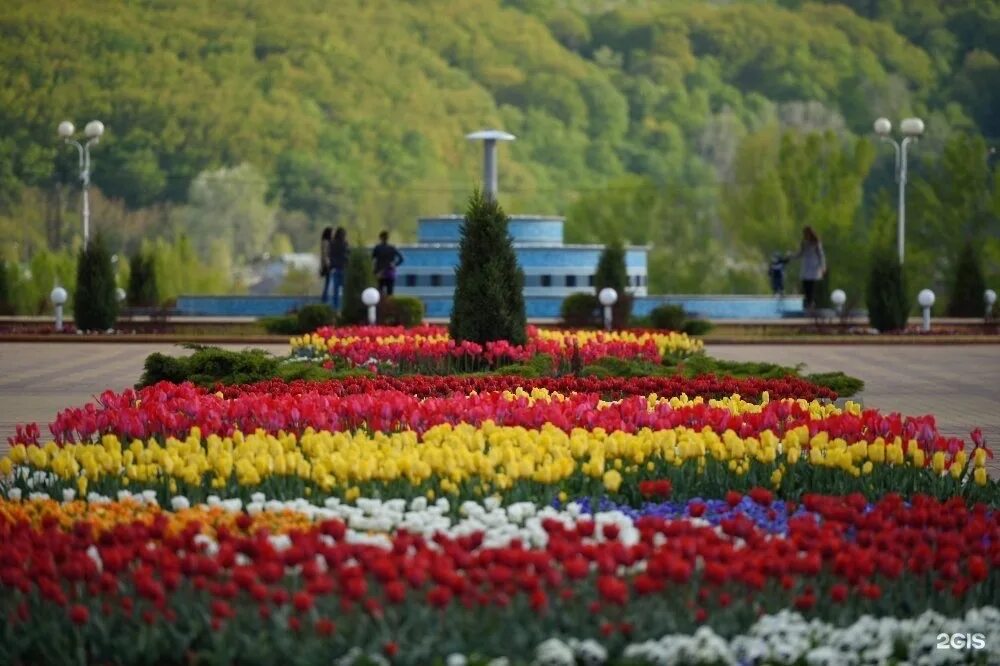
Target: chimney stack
pixel 490 175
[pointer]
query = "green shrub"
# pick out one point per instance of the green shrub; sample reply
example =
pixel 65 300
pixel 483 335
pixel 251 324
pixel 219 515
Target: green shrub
pixel 612 366
pixel 968 285
pixel 95 307
pixel 358 276
pixel 312 316
pixel 668 317
pixel 888 305
pixel 844 385
pixel 6 299
pixel 581 310
pixel 612 272
pixel 142 289
pixel 489 285
pixel 400 311
pixel 697 326
pixel 281 324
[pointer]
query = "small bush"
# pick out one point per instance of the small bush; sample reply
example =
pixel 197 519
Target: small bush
pixel 888 305
pixel 95 307
pixel 400 311
pixel 968 286
pixel 697 326
pixel 668 317
pixel 611 366
pixel 580 310
pixel 209 365
pixel 844 385
pixel 282 324
pixel 314 315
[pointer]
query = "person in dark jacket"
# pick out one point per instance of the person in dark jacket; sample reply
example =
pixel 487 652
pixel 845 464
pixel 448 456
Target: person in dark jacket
pixel 333 261
pixel 386 258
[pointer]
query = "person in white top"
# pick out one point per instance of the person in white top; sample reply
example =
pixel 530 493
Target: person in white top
pixel 813 266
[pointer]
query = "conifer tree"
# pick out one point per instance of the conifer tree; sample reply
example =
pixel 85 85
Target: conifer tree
pixel 888 304
pixel 95 307
pixel 358 276
pixel 612 272
pixel 489 284
pixel 967 289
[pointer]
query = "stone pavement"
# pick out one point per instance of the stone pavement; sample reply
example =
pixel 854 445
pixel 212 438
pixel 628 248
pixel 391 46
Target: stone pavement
pixel 959 384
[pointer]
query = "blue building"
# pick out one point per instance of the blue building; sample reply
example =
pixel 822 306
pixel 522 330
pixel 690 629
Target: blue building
pixel 552 269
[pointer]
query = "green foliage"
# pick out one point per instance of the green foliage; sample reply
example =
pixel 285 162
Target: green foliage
pixel 282 324
pixel 312 316
pixel 489 285
pixel 580 310
pixel 358 276
pixel 688 125
pixel 668 317
pixel 95 306
pixel 887 300
pixel 400 311
pixel 612 272
pixel 697 326
pixel 844 385
pixel 968 286
pixel 209 366
pixel 142 289
pixel 6 302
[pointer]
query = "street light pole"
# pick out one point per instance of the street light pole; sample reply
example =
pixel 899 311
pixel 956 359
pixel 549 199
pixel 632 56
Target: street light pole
pixel 912 128
pixel 93 131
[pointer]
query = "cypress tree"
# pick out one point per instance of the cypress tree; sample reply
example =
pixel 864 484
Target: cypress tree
pixel 489 284
pixel 612 272
pixel 95 307
pixel 6 302
pixel 142 288
pixel 967 289
pixel 358 276
pixel 888 304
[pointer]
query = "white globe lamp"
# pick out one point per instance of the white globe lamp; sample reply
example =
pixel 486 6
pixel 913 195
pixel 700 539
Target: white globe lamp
pixel 912 127
pixel 94 129
pixel 883 126
pixel 926 300
pixel 66 129
pixel 989 298
pixel 607 298
pixel 370 297
pixel 58 297
pixel 838 297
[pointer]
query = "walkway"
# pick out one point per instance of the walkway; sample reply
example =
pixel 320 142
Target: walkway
pixel 959 384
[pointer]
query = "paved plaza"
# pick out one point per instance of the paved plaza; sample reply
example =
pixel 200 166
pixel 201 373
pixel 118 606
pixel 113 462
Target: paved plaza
pixel 957 383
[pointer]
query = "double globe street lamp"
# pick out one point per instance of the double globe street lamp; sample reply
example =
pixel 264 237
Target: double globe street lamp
pixel 93 131
pixel 911 128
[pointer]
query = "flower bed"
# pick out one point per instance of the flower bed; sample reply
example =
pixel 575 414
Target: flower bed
pixel 430 349
pixel 556 520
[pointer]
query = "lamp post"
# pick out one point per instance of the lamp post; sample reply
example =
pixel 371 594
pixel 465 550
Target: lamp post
pixel 93 131
pixel 58 298
pixel 926 300
pixel 370 297
pixel 989 298
pixel 607 297
pixel 911 128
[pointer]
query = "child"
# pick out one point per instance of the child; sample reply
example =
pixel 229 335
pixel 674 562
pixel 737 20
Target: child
pixel 776 271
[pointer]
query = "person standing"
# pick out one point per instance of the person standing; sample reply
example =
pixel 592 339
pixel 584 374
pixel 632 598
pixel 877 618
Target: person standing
pixel 325 242
pixel 386 258
pixel 339 251
pixel 813 266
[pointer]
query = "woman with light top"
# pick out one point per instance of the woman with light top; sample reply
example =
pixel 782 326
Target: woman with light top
pixel 813 266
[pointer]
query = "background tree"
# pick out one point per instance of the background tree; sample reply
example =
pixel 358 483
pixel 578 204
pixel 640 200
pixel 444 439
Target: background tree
pixel 887 300
pixel 142 288
pixel 489 284
pixel 95 305
pixel 357 277
pixel 968 286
